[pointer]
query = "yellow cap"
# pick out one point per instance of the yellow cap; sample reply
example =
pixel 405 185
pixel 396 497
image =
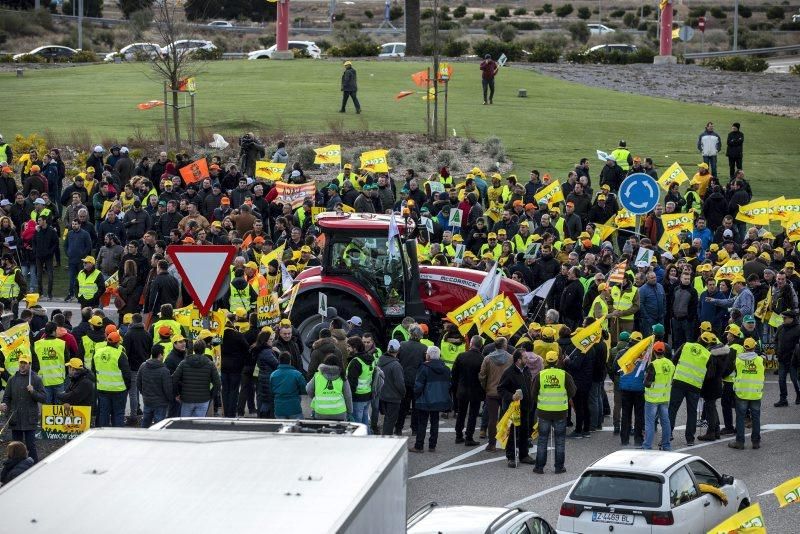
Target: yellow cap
pixel 32 299
pixel 708 337
pixel 458 239
pixel 767 235
pixel 636 336
pixel 749 343
pixel 535 326
pixel 177 338
pixel 127 318
pixel 24 358
pixel 487 256
pixel 268 329
pixel 75 363
pixel 548 332
pixel 89 259
pixel 536 237
pixel 584 235
pixel 602 287
pixel 286 323
pixel 240 313
pixel 502 231
pixel 251 265
pixel 95 321
pixel 751 250
pixel 348 63
pixel 734 330
pixel 305 248
pixel 705 326
pixel 551 356
pixel 568 241
pixel 789 264
pixel 713 247
pixel 205 334
pixel 703 267
pixel 492 235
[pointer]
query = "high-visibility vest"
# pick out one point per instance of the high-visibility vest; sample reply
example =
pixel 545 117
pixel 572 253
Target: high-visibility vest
pixel 659 391
pixel 449 251
pixel 109 375
pixel 623 300
pixel 50 353
pixel 496 251
pixel 364 384
pixel 691 367
pixel 400 330
pixel 521 244
pixel 146 199
pixel 603 310
pixel 44 213
pixel 559 225
pixel 259 284
pixel 4 152
pixel 552 390
pixel 450 352
pixel 621 155
pixel 328 397
pixel 738 349
pixel 699 285
pixel 8 284
pixel 749 381
pixel 426 342
pixel 172 323
pixel 90 348
pixel 423 251
pixel 87 284
pixel 239 299
pixel 693 201
pixel 353 180
pixel 301 215
pixel 167 344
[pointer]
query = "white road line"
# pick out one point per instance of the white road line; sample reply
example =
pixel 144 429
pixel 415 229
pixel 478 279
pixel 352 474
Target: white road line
pixel 448 466
pixel 540 494
pixel 435 469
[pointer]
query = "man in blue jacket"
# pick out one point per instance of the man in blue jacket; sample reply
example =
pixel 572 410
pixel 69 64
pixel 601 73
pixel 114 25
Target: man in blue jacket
pixel 432 393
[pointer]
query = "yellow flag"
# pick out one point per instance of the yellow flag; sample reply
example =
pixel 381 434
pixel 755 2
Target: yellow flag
pixel 269 170
pixel 788 492
pixel 676 33
pixel 670 242
pixel 112 282
pixel 748 521
pixel 15 337
pixel 375 160
pixel 677 222
pixel 106 206
pixel 328 155
pixel 605 231
pixel 627 362
pixel 585 338
pixel 755 213
pixel 269 313
pixel 732 270
pixel 276 254
pixel 764 306
pixel 462 316
pixel 505 316
pixel 488 310
pixel 624 219
pixel 784 210
pixel 550 194
pixel 673 174
pixel 184 316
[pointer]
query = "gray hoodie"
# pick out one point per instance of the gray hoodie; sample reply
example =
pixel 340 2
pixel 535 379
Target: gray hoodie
pixel 492 368
pixel 332 372
pixel 394 384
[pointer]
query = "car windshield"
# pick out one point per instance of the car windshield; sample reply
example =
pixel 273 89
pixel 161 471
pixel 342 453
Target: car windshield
pixel 609 487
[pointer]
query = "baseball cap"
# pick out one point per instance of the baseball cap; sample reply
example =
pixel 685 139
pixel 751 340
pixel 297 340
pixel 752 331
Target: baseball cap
pixel 305 248
pixel 89 259
pixel 658 329
pixel 127 318
pixel 749 343
pixel 5 202
pixel 355 320
pixel 636 336
pixel 551 356
pixel 114 337
pixel 240 313
pixel 789 264
pixel 624 336
pixel 95 321
pixel 75 363
pixel 39 200
pixel 708 337
pixel 734 330
pixel 749 319
pixel 702 166
pixel 602 287
pixel 548 332
pixel 492 235
pixel 705 326
pixel 285 322
pixel 659 347
pixel 165 331
pixel 251 265
pixel 394 346
pixel 110 328
pixel 24 358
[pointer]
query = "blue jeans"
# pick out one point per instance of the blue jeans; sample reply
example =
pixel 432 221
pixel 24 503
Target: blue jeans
pixel 680 392
pixel 230 392
pixel 152 415
pixel 73 269
pixel 596 405
pixel 783 370
pixel 681 332
pixel 194 409
pixel 52 392
pixel 651 413
pixel 361 413
pixel 755 416
pixel 712 162
pixel 560 430
pixel 111 408
pixel 29 272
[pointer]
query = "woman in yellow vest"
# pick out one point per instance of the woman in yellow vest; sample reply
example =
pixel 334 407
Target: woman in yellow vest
pixel 91 284
pixel 331 397
pixel 749 389
pixel 657 386
pixel 50 352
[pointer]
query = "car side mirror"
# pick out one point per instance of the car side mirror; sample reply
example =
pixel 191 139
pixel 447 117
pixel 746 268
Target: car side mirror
pixel 727 480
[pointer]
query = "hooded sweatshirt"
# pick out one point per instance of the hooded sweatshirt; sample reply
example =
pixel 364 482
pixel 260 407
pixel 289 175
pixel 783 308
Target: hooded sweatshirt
pixel 332 372
pixel 154 382
pixel 432 387
pixel 394 385
pixel 718 368
pixel 492 369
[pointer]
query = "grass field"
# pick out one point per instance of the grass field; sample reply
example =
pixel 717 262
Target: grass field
pixel 554 127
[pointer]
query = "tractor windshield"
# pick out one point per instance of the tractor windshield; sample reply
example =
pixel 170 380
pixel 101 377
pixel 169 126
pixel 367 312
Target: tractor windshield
pixel 369 260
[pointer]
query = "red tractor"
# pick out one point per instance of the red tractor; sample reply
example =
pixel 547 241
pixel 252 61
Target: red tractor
pixel 361 276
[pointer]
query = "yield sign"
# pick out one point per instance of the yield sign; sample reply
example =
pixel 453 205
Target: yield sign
pixel 202 269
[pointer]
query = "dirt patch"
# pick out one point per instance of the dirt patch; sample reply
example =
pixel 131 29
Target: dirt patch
pixel 768 93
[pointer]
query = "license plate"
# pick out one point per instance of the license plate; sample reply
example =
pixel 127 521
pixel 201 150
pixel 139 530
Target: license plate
pixel 608 517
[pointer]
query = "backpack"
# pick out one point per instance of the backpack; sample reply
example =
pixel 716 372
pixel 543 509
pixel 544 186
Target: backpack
pixel 378 379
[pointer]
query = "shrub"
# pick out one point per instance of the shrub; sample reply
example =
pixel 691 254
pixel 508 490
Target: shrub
pixel 564 11
pixel 466 146
pixel 421 155
pixel 538 12
pixel 745 12
pixel 395 157
pixel 208 55
pixel 775 13
pixel 520 11
pixel 698 11
pixel 305 156
pixel 579 32
pixel 139 22
pixel 6 58
pixel 630 20
pixel 426 14
pixel 267 40
pixel 790 26
pixel 369 14
pixel 361 48
pixel 338 17
pixel 447 25
pixel 395 12
pixel 494 147
pixel 548 8
pixel 795 69
pixel 738 64
pixel 524 25
pixel 495 48
pixel 460 12
pixel 85 56
pixel 455 48
pixel 445 158
pixel 717 13
pixel 577 55
pixel 647 9
pixel 495 18
pixel 502 12
pixel 584 13
pixel 617 14
pixel 31 58
pixel 22 144
pixel 479 15
pixel 43 19
pixel 544 53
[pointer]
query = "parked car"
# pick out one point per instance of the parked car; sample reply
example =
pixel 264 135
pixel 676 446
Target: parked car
pixel 310 47
pixel 185 46
pixel 135 51
pixel 393 50
pixel 606 48
pixel 650 491
pixel 220 24
pixel 49 52
pixel 476 519
pixel 599 29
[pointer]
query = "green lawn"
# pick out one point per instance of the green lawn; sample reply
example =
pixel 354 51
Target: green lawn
pixel 554 127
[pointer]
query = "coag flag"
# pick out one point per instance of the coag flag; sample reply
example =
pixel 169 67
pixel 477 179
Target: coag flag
pixel 784 210
pixel 624 219
pixel 670 242
pixel 627 362
pixel 674 174
pixel 295 194
pixel 14 343
pixel 551 194
pixel 269 170
pixel 732 270
pixel 505 316
pixel 755 213
pixel 585 338
pixel 195 171
pixel 462 316
pixel 268 309
pixel 748 521
pixel 677 222
pixel 375 160
pixel 605 230
pixel 328 155
pixel 60 422
pixel 788 492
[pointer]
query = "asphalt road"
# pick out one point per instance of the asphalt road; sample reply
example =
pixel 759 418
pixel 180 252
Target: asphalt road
pixel 455 474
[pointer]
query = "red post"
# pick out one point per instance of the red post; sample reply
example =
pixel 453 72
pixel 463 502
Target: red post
pixel 282 28
pixel 665 45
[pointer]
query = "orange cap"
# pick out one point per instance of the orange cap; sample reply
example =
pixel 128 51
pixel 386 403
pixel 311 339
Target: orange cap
pixel 110 328
pixel 165 331
pixel 114 337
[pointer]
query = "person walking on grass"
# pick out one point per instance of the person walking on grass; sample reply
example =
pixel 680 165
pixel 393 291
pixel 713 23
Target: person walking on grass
pixel 489 70
pixel 349 87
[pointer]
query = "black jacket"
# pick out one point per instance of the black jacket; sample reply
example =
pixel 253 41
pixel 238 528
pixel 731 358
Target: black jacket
pixel 571 304
pixel 234 351
pixel 154 383
pixel 137 344
pixel 196 379
pixel 267 362
pixel 321 348
pixel 12 468
pixel 354 370
pixel 545 268
pixel 466 368
pixel 786 339
pixel 173 360
pixel 735 144
pixel 80 389
pixel 164 289
pixel 513 379
pixel 45 243
pixel 349 80
pixel 411 356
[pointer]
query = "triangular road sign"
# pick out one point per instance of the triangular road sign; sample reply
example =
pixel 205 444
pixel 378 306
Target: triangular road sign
pixel 202 269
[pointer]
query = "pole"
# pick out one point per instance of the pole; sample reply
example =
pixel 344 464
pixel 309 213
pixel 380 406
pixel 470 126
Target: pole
pixel 166 120
pixel 191 132
pixel 428 100
pixel 80 24
pixel 282 28
pixel 446 91
pixel 735 25
pixel 600 12
pixel 665 44
pixel 435 70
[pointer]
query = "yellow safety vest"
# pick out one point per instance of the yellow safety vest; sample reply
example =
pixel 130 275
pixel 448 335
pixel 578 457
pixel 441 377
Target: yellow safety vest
pixel 44 213
pixel 8 285
pixel 353 181
pixel 552 391
pixel 423 251
pixel 239 299
pixel 624 300
pixel 603 310
pixel 699 285
pixel 738 349
pixel 450 352
pixel 521 244
pixel 364 384
pixel 90 351
pixel 87 284
pixel 691 367
pixel 498 249
pixel 749 381
pixel 659 391
pixel 400 330
pixel 328 400
pixel 109 375
pixel 172 323
pixel 50 353
pixel 559 225
pixel 621 155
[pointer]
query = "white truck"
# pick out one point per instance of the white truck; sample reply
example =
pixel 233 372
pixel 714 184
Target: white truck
pixel 212 481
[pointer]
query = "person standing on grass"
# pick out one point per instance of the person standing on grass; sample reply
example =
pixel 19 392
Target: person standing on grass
pixel 489 68
pixel 349 87
pixel 735 150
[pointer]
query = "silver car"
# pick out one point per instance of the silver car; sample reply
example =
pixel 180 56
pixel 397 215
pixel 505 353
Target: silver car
pixel 433 519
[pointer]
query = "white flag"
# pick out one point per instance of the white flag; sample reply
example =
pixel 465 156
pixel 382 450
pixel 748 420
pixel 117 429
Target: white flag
pixel 602 156
pixel 490 287
pixel 286 278
pixel 393 232
pixel 542 291
pixel 644 257
pixel 502 60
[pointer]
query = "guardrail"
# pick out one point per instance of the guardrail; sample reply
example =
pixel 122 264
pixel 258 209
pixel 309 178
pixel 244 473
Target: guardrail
pixel 747 52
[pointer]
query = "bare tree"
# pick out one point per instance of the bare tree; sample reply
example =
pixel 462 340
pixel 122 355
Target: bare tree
pixel 176 64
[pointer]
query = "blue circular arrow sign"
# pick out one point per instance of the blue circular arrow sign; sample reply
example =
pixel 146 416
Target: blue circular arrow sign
pixel 639 193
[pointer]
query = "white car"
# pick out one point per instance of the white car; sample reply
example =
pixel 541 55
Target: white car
pixel 655 492
pixel 599 29
pixel 433 519
pixel 185 46
pixel 393 50
pixel 135 51
pixel 621 47
pixel 220 24
pixel 49 52
pixel 309 46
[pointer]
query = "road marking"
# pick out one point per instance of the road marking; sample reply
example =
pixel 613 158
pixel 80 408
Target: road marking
pixel 448 465
pixel 540 494
pixel 435 469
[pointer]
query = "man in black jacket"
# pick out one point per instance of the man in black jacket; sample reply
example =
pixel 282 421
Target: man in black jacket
pixel 349 87
pixel 45 244
pixel 234 350
pixel 173 360
pixel 80 389
pixel 786 340
pixel 515 384
pixel 195 382
pixel 411 356
pixel 735 150
pixel 570 308
pixel 467 390
pixel 163 289
pixel 154 381
pixel 137 344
